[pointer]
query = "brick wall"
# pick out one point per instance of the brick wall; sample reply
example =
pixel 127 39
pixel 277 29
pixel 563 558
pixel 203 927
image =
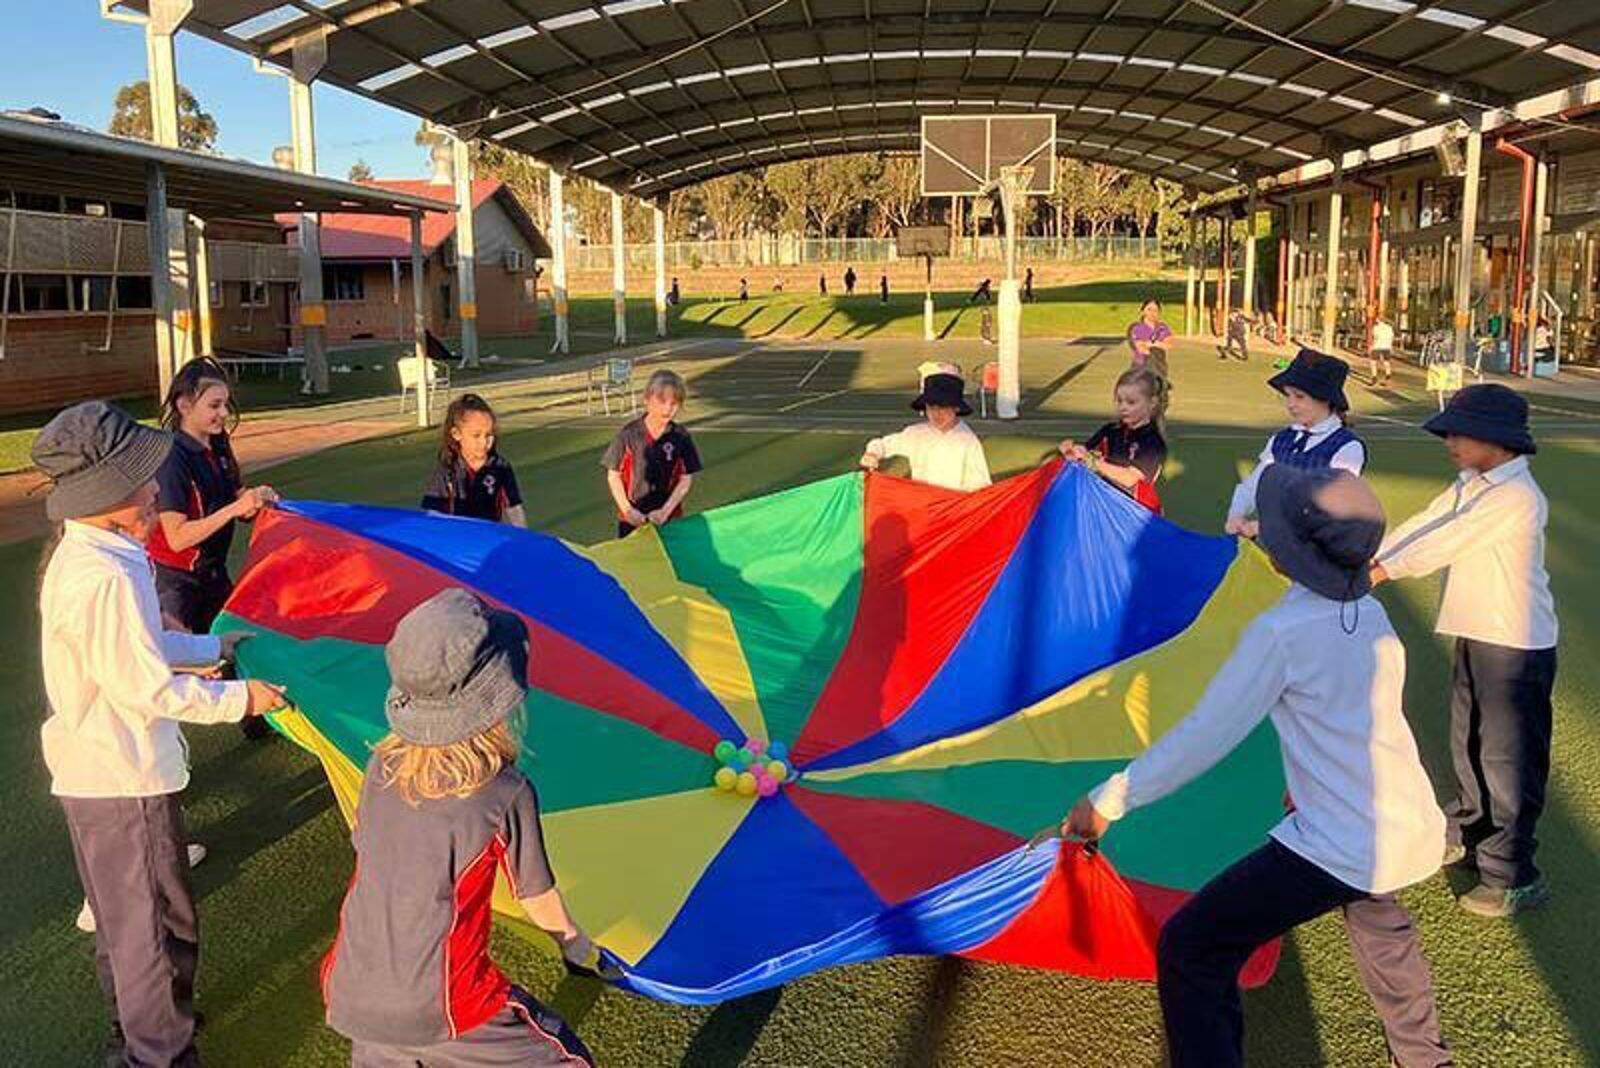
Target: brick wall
pixel 503 309
pixel 47 366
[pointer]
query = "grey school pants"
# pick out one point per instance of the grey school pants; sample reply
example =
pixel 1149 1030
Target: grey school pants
pixel 132 856
pixel 524 1032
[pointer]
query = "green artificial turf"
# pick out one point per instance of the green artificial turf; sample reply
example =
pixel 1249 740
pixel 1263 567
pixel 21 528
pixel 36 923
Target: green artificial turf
pixel 1523 992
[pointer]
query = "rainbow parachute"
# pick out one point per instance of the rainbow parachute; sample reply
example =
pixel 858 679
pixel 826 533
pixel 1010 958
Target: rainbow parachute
pixel 943 672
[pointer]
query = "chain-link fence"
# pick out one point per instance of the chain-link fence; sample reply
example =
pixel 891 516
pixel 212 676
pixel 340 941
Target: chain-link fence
pixel 786 250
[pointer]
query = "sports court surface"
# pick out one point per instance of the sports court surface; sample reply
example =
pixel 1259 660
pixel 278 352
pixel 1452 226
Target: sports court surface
pixel 767 416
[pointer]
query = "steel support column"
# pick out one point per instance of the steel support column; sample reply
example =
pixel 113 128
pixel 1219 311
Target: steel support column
pixel 310 55
pixel 619 269
pixel 558 260
pixel 1467 254
pixel 466 250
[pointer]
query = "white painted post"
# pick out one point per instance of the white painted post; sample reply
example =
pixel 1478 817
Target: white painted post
pixel 1286 299
pixel 659 218
pixel 558 260
pixel 619 269
pixel 165 19
pixel 1248 304
pixel 1467 254
pixel 310 55
pixel 1541 182
pixel 1009 340
pixel 202 283
pixel 161 288
pixel 1191 257
pixel 1330 298
pixel 466 250
pixel 419 323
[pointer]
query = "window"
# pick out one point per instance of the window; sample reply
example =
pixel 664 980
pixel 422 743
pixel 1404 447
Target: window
pixel 214 293
pixel 43 292
pixel 530 290
pixel 93 292
pixel 445 304
pixel 344 282
pixel 254 294
pixel 37 202
pixel 134 293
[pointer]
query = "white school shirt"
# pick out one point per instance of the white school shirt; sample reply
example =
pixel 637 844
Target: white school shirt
pixel 950 458
pixel 1382 337
pixel 114 700
pixel 1364 811
pixel 1352 457
pixel 1487 530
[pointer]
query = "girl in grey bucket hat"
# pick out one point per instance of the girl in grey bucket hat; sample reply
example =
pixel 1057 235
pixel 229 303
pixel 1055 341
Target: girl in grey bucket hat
pixel 443 808
pixel 117 691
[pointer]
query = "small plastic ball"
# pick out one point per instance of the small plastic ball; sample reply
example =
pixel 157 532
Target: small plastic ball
pixel 756 745
pixel 778 770
pixel 778 751
pixel 724 750
pixel 727 778
pixel 736 763
pixel 744 755
pixel 767 787
pixel 747 784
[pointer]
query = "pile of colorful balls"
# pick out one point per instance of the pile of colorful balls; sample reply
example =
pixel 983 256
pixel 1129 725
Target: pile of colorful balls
pixel 752 769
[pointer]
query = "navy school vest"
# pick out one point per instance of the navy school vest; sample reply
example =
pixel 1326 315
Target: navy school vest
pixel 1319 455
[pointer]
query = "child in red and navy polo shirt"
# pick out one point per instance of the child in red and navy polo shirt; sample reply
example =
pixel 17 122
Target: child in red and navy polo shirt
pixel 652 461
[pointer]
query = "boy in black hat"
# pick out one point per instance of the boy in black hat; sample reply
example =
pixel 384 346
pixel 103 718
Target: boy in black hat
pixel 1487 532
pixel 943 450
pixel 443 812
pixel 1326 666
pixel 116 755
pixel 1313 392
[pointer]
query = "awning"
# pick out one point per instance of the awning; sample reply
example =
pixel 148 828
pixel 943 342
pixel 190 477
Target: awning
pixel 649 95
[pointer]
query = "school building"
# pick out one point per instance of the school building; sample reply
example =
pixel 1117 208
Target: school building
pixel 366 267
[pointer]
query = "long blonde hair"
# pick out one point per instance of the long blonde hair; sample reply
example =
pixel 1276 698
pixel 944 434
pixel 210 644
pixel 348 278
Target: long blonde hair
pixel 461 769
pixel 1155 387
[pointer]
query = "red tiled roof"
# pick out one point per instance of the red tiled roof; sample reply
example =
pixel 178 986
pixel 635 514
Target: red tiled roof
pixel 387 237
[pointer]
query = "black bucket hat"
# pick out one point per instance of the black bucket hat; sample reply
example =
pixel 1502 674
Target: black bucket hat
pixel 456 667
pixel 96 456
pixel 1488 412
pixel 944 390
pixel 1316 373
pixel 1322 528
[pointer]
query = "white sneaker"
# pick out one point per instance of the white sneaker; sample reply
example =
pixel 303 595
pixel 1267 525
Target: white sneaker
pixel 197 853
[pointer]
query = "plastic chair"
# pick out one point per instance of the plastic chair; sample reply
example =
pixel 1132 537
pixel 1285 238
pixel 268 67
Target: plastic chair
pixel 410 377
pixel 988 386
pixel 613 376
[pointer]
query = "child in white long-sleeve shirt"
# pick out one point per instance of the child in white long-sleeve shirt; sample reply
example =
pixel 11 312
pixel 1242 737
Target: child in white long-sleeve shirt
pixel 943 450
pixel 112 743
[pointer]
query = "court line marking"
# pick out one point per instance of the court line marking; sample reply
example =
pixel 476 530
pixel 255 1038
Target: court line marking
pixel 814 368
pixel 813 400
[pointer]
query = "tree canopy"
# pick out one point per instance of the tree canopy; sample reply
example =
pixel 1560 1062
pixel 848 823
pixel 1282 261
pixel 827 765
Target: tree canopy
pixel 130 117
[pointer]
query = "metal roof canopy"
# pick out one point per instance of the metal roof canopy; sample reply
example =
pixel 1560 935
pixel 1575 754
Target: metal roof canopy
pixel 650 95
pixel 52 157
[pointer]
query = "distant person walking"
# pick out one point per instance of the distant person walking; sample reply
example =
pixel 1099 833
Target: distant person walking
pixel 849 281
pixel 674 295
pixel 883 289
pixel 744 289
pixel 1027 286
pixel 822 284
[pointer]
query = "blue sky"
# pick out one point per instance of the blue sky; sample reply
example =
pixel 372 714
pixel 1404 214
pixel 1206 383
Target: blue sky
pixel 68 59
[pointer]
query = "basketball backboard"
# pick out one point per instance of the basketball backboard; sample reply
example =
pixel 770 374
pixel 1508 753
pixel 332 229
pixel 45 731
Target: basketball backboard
pixel 962 155
pixel 922 241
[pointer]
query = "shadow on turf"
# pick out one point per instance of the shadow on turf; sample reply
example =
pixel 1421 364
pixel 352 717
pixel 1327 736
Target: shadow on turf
pixel 730 1032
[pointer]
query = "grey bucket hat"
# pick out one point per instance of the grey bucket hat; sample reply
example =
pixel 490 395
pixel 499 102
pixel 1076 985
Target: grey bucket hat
pixel 96 456
pixel 1322 528
pixel 456 666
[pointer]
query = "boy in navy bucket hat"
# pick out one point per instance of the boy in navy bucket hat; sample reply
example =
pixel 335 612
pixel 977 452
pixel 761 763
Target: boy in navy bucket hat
pixel 1317 437
pixel 943 450
pixel 1486 532
pixel 1324 664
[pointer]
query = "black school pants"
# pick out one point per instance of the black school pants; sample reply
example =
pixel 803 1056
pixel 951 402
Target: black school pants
pixel 132 856
pixel 1500 724
pixel 192 600
pixel 1267 894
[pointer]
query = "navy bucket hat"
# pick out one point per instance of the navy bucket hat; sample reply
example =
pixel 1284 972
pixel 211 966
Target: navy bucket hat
pixel 944 390
pixel 1316 373
pixel 1321 527
pixel 1488 412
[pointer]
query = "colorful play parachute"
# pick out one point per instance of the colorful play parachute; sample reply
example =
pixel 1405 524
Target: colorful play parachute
pixel 943 674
